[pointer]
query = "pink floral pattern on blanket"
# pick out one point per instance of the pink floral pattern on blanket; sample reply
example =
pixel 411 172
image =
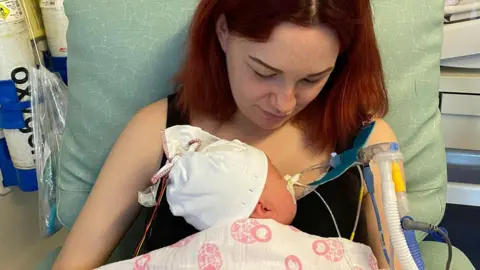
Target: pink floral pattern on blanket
pixel 209 257
pixel 142 262
pixel 249 231
pixel 331 249
pixel 261 233
pixel 372 262
pixel 292 262
pixel 260 244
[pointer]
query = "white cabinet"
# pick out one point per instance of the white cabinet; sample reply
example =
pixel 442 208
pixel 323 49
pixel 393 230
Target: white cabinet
pixel 460 107
pixel 460 100
pixel 460 77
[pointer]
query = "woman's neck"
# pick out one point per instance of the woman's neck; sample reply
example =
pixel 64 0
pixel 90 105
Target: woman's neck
pixel 239 127
pixel 245 129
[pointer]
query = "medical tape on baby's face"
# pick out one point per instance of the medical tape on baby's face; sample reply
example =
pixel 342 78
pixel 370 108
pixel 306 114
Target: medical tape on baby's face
pixel 291 181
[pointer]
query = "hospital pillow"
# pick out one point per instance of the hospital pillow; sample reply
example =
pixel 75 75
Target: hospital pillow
pixel 409 34
pixel 121 58
pixel 122 55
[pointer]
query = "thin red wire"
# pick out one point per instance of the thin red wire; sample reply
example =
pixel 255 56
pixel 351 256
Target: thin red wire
pixel 164 178
pixel 137 250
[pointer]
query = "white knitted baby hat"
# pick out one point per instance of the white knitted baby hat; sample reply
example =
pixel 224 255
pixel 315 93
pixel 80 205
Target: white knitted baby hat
pixel 212 181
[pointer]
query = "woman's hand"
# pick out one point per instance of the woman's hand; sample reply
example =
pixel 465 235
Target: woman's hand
pixel 381 133
pixel 112 205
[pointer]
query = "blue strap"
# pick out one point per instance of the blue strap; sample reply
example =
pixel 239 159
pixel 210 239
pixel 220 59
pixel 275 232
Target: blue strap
pixel 20 106
pixel 342 162
pixel 9 173
pixel 56 65
pixel 11 116
pixel 27 180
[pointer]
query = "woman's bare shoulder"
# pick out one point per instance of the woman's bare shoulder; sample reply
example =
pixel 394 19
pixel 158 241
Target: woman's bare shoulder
pixel 150 120
pixel 144 131
pixel 381 133
pixel 153 115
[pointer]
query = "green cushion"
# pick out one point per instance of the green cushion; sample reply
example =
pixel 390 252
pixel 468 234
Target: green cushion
pixel 409 33
pixel 434 256
pixel 122 55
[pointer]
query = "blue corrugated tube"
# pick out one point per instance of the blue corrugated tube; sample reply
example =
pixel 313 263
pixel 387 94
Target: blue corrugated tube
pixel 414 249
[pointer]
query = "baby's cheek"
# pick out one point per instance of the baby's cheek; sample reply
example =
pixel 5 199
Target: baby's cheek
pixel 290 208
pixel 292 212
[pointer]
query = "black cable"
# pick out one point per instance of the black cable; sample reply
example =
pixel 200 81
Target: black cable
pixel 409 224
pixel 447 240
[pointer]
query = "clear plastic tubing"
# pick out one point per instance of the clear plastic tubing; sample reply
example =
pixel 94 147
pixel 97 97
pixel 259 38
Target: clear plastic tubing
pixel 384 162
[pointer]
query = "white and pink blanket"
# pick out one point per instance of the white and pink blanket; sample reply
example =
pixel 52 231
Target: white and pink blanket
pixel 258 245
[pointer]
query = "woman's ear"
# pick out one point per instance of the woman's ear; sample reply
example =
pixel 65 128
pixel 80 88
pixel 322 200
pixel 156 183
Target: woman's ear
pixel 262 211
pixel 222 31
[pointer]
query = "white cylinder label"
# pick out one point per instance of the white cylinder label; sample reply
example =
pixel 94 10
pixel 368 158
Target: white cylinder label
pixel 20 141
pixel 16 59
pixel 10 11
pixel 56 24
pixel 51 3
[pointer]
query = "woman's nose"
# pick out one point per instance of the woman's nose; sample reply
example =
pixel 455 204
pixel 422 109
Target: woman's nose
pixel 285 101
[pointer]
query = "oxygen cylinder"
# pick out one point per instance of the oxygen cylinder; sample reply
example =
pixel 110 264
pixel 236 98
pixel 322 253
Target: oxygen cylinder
pixel 56 23
pixel 16 58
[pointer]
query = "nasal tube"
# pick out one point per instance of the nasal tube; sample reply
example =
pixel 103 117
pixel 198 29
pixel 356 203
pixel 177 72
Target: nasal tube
pixel 385 161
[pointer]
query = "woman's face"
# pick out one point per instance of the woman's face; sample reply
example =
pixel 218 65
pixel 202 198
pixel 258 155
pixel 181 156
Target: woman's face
pixel 272 81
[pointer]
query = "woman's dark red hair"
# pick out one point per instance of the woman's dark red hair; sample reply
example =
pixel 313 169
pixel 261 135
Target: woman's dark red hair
pixel 354 93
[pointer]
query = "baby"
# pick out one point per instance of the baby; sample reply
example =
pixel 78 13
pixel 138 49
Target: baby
pixel 212 181
pixel 242 206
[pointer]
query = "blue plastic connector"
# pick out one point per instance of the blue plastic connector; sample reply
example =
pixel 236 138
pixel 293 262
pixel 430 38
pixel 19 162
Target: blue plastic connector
pixel 394 147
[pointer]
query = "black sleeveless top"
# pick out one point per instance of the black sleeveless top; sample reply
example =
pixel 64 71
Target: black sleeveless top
pixel 312 215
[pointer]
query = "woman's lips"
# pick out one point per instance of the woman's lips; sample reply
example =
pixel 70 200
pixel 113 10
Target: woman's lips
pixel 273 116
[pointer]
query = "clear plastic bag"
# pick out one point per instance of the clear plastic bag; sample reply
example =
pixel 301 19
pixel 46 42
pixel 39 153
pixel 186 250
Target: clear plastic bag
pixel 49 106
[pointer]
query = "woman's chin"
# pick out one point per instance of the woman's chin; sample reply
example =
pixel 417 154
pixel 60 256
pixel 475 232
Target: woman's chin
pixel 265 121
pixel 270 125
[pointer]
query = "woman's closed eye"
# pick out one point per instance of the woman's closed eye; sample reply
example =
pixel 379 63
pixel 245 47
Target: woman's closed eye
pixel 306 80
pixel 317 78
pixel 264 75
pixel 312 81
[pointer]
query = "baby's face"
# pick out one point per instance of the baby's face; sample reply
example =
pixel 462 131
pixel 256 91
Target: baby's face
pixel 277 198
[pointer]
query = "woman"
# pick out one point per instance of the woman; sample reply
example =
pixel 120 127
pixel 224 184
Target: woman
pixel 296 78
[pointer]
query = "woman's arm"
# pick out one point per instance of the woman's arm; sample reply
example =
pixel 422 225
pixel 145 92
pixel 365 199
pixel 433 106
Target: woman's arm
pixel 112 205
pixel 381 133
